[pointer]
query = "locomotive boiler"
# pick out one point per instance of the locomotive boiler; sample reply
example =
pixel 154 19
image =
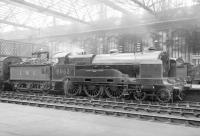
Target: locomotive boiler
pixel 147 74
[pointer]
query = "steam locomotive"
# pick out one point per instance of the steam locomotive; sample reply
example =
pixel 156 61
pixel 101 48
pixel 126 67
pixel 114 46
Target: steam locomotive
pixel 141 75
pixel 145 74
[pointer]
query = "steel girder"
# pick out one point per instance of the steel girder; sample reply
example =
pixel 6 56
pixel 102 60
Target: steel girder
pixel 157 6
pixel 144 6
pixel 140 28
pixel 116 7
pixel 16 24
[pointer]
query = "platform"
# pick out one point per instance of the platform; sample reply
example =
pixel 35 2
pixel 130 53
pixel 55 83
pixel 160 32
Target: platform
pixel 19 120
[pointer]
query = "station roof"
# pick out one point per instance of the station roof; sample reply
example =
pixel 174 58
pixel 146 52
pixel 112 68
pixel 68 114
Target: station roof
pixel 37 14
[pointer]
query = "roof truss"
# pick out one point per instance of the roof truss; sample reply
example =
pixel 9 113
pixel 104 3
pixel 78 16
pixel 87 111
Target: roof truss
pixel 16 24
pixel 143 5
pixel 114 6
pixel 43 10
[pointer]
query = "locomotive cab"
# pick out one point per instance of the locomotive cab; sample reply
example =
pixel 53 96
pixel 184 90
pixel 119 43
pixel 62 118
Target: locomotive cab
pixel 67 66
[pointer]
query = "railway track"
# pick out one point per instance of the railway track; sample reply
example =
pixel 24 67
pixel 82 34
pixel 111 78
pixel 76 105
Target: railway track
pixel 185 113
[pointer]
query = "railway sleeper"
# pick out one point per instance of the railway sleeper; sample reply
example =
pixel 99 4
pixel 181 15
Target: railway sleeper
pixel 125 114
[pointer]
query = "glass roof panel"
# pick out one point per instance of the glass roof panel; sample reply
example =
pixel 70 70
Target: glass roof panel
pixel 84 10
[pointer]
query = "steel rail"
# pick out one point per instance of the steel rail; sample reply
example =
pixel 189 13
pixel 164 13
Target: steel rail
pixel 188 116
pixel 195 122
pixel 179 105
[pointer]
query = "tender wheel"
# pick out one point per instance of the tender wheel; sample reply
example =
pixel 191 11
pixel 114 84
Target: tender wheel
pixel 23 87
pixel 6 86
pixel 71 89
pixel 139 95
pixel 163 95
pixel 46 88
pixel 2 87
pixel 114 91
pixel 93 90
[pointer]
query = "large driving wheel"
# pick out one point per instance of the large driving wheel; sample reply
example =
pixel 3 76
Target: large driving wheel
pixel 139 95
pixel 71 89
pixel 163 95
pixel 93 90
pixel 114 91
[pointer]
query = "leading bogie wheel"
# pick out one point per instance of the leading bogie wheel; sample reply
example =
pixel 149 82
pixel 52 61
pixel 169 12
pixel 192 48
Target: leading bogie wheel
pixel 93 90
pixel 114 91
pixel 163 95
pixel 71 89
